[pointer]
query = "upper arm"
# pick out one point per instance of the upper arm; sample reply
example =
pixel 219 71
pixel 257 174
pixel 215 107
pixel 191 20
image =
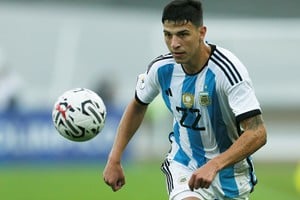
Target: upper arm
pixel 256 126
pixel 252 123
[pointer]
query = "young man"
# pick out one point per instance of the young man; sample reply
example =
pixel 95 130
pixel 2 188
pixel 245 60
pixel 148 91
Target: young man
pixel 217 118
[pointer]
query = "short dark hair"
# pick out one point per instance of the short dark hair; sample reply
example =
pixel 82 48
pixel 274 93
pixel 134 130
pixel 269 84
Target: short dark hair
pixel 184 11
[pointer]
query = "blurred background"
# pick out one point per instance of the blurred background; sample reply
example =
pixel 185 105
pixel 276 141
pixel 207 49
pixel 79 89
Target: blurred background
pixel 50 46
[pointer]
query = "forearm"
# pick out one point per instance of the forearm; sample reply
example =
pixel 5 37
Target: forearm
pixel 130 122
pixel 253 138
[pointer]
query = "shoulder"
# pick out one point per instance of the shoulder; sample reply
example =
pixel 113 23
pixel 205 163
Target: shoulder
pixel 161 61
pixel 225 55
pixel 229 65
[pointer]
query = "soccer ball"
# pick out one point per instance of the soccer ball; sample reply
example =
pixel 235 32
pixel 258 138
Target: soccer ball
pixel 79 114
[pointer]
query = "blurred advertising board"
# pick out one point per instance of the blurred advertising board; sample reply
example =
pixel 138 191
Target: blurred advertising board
pixel 32 136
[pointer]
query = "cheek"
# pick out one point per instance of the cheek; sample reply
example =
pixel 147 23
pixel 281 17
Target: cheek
pixel 168 44
pixel 193 45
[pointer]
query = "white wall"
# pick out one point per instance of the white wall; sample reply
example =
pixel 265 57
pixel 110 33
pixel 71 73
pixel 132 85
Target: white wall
pixel 55 48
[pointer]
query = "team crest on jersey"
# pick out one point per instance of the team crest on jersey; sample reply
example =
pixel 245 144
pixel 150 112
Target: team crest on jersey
pixel 141 81
pixel 204 99
pixel 188 100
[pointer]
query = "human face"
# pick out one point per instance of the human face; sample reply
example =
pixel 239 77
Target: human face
pixel 184 41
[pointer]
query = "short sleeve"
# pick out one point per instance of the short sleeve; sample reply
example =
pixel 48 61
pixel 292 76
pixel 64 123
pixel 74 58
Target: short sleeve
pixel 243 101
pixel 147 87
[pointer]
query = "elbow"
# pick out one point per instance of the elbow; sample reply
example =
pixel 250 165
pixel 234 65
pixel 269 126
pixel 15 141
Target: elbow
pixel 264 141
pixel 263 136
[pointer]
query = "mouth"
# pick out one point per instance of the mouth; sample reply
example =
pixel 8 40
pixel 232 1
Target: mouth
pixel 177 54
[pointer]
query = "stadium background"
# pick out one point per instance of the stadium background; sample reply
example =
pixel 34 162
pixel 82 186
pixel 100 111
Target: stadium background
pixel 52 46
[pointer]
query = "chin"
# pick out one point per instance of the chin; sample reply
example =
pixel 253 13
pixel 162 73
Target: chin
pixel 179 61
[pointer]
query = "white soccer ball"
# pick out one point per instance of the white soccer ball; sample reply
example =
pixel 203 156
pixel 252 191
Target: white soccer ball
pixel 79 114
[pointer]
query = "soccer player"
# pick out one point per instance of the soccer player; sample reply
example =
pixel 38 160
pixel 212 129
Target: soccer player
pixel 217 118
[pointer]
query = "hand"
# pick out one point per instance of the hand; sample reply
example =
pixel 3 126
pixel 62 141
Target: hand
pixel 113 175
pixel 203 177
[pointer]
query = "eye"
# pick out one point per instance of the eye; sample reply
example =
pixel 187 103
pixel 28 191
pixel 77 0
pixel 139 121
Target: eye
pixel 167 34
pixel 183 34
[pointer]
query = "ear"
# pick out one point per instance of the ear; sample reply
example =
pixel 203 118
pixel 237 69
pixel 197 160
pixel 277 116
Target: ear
pixel 202 32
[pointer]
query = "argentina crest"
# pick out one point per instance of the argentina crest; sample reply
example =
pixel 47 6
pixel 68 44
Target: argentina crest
pixel 204 99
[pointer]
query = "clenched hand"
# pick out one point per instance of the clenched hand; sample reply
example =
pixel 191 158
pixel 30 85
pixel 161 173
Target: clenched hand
pixel 113 176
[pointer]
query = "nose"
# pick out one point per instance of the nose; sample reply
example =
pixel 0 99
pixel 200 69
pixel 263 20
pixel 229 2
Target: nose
pixel 175 43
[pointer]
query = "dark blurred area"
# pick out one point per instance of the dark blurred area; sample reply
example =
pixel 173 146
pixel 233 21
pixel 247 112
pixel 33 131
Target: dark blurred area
pixel 228 8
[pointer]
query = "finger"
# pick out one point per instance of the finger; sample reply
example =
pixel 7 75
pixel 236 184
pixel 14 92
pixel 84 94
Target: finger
pixel 206 185
pixel 110 183
pixel 118 185
pixel 197 184
pixel 201 184
pixel 191 183
pixel 106 181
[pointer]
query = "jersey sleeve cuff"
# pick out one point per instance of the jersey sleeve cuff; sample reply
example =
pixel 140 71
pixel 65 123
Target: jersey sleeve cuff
pixel 139 101
pixel 247 115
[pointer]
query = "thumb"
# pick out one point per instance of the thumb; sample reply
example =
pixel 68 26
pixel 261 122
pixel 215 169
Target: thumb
pixel 119 184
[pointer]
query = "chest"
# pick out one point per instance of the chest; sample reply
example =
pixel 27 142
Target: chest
pixel 190 91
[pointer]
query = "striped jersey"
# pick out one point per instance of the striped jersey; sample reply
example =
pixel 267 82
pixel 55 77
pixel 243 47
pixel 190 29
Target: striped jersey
pixel 207 106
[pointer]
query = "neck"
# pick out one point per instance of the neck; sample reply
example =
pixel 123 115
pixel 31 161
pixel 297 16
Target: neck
pixel 198 62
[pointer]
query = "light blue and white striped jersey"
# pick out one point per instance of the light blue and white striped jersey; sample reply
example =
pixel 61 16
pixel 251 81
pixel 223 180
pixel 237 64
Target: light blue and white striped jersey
pixel 207 106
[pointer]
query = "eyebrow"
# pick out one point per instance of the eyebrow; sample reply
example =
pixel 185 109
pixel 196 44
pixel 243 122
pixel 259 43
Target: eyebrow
pixel 177 32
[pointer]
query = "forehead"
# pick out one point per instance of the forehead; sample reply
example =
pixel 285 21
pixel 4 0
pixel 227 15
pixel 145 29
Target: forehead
pixel 172 26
